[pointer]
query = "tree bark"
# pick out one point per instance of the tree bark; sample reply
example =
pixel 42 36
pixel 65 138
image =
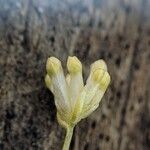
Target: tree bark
pixel 117 31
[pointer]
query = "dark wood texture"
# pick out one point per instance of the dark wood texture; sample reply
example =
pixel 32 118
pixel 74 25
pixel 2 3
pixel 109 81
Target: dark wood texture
pixel 117 31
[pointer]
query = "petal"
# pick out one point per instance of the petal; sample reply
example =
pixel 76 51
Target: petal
pixel 92 85
pixel 60 91
pixel 99 64
pixel 61 121
pixel 53 66
pixel 68 79
pixel 96 86
pixel 74 79
pixel 74 65
pixel 48 82
pixel 76 114
pixel 94 103
pixel 88 92
pixel 105 82
pixel 85 97
pixel 55 71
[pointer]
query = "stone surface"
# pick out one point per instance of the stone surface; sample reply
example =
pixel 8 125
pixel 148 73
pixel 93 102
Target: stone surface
pixel 117 31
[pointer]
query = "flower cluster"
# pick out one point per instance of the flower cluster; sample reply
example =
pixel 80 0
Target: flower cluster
pixel 73 99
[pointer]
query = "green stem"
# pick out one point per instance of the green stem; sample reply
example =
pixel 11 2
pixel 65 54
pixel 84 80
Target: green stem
pixel 68 138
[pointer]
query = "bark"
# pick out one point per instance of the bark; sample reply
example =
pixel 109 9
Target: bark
pixel 117 31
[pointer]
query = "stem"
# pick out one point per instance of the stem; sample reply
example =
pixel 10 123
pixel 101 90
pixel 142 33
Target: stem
pixel 68 138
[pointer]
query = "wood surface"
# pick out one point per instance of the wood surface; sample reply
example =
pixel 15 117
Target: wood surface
pixel 117 31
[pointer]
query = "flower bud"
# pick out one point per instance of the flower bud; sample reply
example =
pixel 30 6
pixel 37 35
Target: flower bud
pixel 53 66
pixel 97 75
pixel 74 65
pixel 99 64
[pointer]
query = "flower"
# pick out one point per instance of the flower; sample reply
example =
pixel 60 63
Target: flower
pixel 74 100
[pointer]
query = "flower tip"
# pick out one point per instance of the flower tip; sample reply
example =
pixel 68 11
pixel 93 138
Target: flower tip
pixel 99 64
pixel 98 75
pixel 53 66
pixel 105 81
pixel 48 81
pixel 101 77
pixel 74 65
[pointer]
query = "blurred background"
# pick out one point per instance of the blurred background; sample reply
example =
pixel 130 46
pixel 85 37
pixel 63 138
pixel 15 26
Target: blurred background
pixel 117 31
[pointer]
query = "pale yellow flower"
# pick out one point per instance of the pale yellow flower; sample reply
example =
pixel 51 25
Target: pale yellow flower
pixel 74 100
